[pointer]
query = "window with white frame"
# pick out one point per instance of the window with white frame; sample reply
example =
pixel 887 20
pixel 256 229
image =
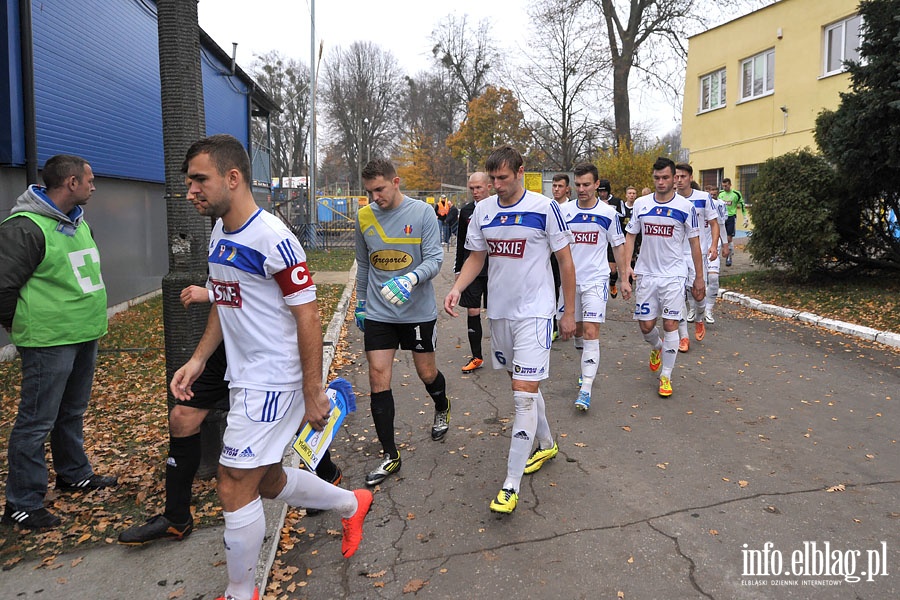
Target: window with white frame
pixel 758 75
pixel 841 44
pixel 712 90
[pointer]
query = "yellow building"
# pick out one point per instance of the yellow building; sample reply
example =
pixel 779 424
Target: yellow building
pixel 754 86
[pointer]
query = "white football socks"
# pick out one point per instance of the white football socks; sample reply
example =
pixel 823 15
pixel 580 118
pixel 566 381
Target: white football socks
pixel 245 529
pixel 522 438
pixel 590 360
pixel 304 488
pixel 670 351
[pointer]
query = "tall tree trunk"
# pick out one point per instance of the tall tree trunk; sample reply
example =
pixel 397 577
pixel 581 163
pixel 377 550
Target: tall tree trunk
pixel 621 102
pixel 184 122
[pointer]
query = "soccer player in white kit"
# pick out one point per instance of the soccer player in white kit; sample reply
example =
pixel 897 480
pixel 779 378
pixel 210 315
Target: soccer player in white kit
pixel 520 229
pixel 709 243
pixel 664 220
pixel 713 267
pixel 595 226
pixel 265 310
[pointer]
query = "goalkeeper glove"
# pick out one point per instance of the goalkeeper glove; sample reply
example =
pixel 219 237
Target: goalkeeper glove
pixel 360 315
pixel 398 289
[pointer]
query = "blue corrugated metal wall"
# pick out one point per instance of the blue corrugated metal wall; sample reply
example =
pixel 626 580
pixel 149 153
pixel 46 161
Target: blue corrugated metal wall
pixel 12 148
pixel 97 85
pixel 224 99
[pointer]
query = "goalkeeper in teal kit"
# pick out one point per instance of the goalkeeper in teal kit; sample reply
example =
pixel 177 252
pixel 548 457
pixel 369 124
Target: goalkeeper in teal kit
pixel 398 252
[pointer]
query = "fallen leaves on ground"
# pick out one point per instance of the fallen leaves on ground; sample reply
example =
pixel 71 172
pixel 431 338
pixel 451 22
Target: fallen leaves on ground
pixel 125 433
pixel 414 585
pixel 862 299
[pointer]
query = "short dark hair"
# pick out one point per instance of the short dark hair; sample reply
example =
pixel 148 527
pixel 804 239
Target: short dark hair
pixel 504 155
pixel 59 168
pixel 664 163
pixel 685 167
pixel 225 151
pixel 561 177
pixel 585 168
pixel 379 167
pixel 726 180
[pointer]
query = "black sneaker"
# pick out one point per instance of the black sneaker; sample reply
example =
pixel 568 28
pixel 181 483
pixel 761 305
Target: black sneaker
pixel 387 466
pixel 335 480
pixel 94 482
pixel 40 518
pixel 157 528
pixel 441 423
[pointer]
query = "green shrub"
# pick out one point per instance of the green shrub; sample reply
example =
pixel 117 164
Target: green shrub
pixel 796 205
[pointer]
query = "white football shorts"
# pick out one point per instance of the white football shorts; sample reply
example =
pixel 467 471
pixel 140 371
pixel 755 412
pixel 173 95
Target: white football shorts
pixel 658 297
pixel 689 282
pixel 260 425
pixel 712 266
pixel 590 302
pixel 522 347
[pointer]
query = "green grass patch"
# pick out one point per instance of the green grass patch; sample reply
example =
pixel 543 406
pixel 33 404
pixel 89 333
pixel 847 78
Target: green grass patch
pixel 870 301
pixel 337 259
pixel 126 434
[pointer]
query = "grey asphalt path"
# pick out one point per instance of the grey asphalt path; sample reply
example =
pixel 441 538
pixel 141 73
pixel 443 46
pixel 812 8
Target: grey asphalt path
pixel 649 498
pixel 767 414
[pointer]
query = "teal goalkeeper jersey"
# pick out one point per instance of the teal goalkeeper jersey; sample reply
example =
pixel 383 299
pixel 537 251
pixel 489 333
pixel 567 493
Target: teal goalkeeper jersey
pixel 390 243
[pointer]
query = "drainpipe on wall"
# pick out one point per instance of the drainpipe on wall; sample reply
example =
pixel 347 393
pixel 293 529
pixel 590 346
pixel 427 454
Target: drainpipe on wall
pixel 26 42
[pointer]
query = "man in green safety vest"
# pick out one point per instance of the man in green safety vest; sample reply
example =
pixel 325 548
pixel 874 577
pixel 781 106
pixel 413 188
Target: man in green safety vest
pixel 53 304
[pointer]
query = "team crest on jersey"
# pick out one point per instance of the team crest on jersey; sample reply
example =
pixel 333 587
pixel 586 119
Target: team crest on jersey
pixel 507 248
pixel 407 229
pixel 223 248
pixel 226 293
pixel 390 259
pixel 503 219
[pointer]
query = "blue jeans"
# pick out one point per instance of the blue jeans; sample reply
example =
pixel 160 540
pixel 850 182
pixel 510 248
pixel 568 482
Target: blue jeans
pixel 56 388
pixel 445 233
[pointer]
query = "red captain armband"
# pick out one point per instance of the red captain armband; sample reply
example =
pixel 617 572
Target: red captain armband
pixel 294 279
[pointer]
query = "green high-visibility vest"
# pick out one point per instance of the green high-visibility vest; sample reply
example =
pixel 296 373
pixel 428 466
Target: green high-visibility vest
pixel 64 300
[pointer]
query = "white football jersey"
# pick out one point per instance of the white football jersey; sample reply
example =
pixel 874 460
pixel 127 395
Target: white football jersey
pixel 519 240
pixel 254 274
pixel 593 229
pixel 722 212
pixel 706 212
pixel 665 228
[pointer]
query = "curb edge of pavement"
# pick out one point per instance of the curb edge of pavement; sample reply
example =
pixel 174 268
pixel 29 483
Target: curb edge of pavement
pixel 276 511
pixel 888 338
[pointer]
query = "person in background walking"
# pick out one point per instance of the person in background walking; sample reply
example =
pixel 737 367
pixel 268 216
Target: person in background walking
pixel 475 296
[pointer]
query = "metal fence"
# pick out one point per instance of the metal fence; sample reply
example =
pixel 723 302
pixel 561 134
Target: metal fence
pixel 330 222
pixel 326 223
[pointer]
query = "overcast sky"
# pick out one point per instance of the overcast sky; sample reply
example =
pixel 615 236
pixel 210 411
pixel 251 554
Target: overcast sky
pixel 401 26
